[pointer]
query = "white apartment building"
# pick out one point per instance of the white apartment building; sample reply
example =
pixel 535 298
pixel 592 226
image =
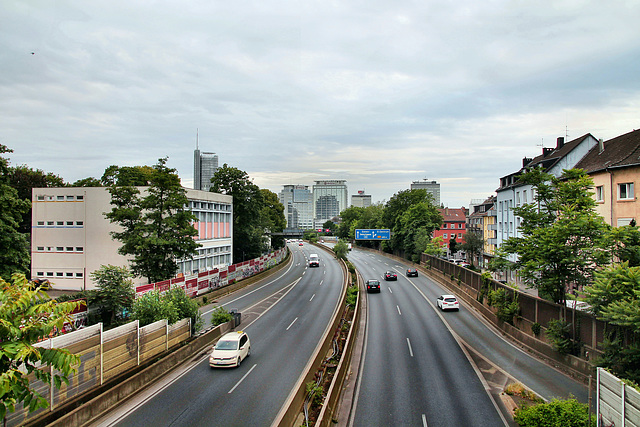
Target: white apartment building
pixel 513 193
pixel 70 236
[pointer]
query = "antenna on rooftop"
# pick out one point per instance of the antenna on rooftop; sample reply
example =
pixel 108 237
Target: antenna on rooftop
pixel 197 147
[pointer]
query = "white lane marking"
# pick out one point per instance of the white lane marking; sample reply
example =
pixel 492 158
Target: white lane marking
pixel 242 379
pixel 410 349
pixel 321 282
pixel 390 290
pixel 291 324
pixel 424 420
pixel 398 307
pixel 313 296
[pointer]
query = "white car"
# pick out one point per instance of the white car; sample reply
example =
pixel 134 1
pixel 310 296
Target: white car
pixel 314 260
pixel 230 350
pixel 447 302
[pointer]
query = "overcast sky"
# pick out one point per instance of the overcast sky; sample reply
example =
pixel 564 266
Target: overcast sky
pixel 379 93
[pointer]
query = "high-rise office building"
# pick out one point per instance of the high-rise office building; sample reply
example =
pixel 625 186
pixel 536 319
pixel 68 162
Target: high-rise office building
pixel 330 197
pixel 204 166
pixel 432 188
pixel 298 206
pixel 361 200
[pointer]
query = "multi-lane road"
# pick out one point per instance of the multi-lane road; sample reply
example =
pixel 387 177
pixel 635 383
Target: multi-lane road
pixel 285 318
pixel 413 370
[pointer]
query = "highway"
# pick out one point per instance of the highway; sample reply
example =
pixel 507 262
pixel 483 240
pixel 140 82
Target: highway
pixel 413 369
pixel 285 317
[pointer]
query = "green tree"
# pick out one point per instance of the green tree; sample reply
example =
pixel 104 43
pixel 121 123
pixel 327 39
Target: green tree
pixel 348 218
pixel 625 242
pixel 87 182
pixel 114 290
pixel 28 315
pixel 152 307
pixel 157 228
pixel 453 245
pixel 434 247
pixel 185 307
pixel 563 238
pixel 273 217
pixel 248 241
pixel 473 245
pixel 122 176
pixel 418 221
pixel 394 209
pixel 330 226
pixel 341 250
pixel 14 255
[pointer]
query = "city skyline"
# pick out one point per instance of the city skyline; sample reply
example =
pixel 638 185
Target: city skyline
pixel 392 93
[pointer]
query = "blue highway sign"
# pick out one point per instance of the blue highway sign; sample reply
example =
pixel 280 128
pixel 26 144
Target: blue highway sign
pixel 373 234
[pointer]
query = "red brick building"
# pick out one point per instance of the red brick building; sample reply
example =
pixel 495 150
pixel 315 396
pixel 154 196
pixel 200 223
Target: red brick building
pixel 454 224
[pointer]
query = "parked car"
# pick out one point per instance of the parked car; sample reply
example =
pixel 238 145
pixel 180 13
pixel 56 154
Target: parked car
pixel 390 275
pixel 373 285
pixel 447 302
pixel 412 272
pixel 230 350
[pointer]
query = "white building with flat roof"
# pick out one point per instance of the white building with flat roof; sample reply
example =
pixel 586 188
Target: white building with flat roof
pixel 71 237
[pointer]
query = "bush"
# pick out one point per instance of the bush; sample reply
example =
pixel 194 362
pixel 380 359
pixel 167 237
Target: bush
pixel 557 413
pixel 316 393
pixel 220 316
pixel 535 328
pixel 559 333
pixel 502 301
pixel 152 307
pixel 352 296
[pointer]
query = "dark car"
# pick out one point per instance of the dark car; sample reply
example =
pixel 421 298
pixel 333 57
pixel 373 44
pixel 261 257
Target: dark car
pixel 373 285
pixel 390 275
pixel 412 272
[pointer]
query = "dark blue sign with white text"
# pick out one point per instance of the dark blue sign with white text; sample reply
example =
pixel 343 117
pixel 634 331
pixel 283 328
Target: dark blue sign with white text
pixel 373 234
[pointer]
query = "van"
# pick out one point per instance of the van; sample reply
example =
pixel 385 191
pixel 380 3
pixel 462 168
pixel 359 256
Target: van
pixel 314 261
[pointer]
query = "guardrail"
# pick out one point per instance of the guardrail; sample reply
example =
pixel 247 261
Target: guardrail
pixel 293 405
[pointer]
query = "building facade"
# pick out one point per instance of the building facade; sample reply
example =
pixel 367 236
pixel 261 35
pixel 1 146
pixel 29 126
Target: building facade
pixel 204 166
pixel 361 200
pixel 514 193
pixel 330 197
pixel 454 224
pixel 614 166
pixel 298 206
pixel 482 221
pixel 70 236
pixel 432 188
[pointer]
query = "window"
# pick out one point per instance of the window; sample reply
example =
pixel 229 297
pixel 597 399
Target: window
pixel 59 222
pixel 444 225
pixel 40 222
pixel 59 249
pixel 518 198
pixel 78 274
pixel 79 197
pixel 79 222
pixel 460 235
pixel 59 274
pixel 69 274
pixel 49 222
pixel 60 197
pixel 461 225
pixel 444 236
pixel 69 248
pixel 69 197
pixel 69 222
pixel 49 273
pixel 625 191
pixel 600 193
pixel 40 197
pixel 40 248
pixel 79 248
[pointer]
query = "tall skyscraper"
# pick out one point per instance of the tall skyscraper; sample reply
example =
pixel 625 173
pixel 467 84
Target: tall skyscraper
pixel 432 188
pixel 204 166
pixel 330 197
pixel 298 206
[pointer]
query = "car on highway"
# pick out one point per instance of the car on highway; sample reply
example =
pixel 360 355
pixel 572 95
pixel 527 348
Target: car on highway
pixel 390 275
pixel 373 285
pixel 300 244
pixel 412 272
pixel 230 350
pixel 447 302
pixel 314 260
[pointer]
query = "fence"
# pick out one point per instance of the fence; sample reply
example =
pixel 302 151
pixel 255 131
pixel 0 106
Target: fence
pixel 206 281
pixel 617 403
pixel 587 329
pixel 104 355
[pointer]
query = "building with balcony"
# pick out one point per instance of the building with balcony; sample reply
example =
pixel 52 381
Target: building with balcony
pixel 482 221
pixel 71 237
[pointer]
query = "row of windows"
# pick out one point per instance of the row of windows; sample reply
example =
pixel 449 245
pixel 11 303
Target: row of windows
pixel 42 197
pixel 460 225
pixel 60 223
pixel 209 251
pixel 625 192
pixel 224 207
pixel 60 249
pixel 446 236
pixel 67 274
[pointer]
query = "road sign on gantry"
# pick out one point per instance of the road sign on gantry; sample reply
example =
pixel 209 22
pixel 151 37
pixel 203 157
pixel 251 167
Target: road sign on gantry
pixel 373 234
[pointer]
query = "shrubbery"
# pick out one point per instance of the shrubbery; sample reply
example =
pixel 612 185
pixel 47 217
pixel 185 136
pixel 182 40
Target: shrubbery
pixel 557 413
